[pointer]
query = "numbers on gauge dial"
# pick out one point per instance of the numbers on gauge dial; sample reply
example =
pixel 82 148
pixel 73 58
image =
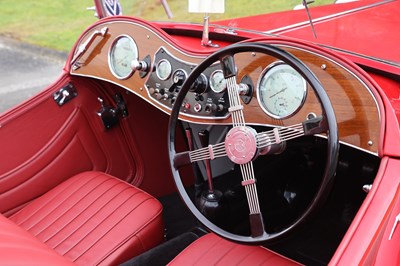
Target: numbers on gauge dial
pixel 123 52
pixel 281 91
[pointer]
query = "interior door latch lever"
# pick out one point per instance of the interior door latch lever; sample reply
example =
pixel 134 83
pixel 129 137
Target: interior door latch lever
pixel 110 115
pixel 65 94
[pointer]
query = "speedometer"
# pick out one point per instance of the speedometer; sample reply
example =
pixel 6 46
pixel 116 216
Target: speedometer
pixel 281 90
pixel 217 81
pixel 123 52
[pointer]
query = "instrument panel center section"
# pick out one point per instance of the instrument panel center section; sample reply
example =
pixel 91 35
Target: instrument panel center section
pixel 202 100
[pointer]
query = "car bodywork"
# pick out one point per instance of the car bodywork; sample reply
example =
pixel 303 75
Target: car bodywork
pixel 95 117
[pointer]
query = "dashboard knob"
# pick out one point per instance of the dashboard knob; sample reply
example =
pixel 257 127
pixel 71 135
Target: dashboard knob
pixel 197 107
pixel 158 96
pixel 139 65
pixel 210 107
pixel 220 107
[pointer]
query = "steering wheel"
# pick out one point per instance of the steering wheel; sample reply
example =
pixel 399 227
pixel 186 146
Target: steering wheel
pixel 242 133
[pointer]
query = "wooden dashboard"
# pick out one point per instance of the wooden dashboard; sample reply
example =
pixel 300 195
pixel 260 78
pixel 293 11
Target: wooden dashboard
pixel 353 99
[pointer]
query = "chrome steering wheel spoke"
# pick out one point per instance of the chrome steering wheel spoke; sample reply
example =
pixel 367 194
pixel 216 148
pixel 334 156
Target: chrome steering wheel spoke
pixel 241 146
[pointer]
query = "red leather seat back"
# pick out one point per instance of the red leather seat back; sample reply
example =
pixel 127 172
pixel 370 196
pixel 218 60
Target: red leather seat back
pixel 94 218
pixel 18 247
pixel 214 250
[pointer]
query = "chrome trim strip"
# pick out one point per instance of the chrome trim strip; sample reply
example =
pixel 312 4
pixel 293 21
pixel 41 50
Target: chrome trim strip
pixel 372 58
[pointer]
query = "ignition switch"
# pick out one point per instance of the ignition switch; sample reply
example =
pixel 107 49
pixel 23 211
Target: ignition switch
pixel 177 80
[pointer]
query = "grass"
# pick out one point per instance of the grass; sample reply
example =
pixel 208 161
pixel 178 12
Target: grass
pixel 57 24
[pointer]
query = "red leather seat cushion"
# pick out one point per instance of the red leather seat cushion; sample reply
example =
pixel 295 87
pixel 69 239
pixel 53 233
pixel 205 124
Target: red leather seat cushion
pixel 18 247
pixel 214 250
pixel 94 218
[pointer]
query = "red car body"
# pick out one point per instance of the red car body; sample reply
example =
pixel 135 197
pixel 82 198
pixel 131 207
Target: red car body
pixel 42 139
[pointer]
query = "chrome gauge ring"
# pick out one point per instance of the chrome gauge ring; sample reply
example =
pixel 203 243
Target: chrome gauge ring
pixel 123 51
pixel 281 90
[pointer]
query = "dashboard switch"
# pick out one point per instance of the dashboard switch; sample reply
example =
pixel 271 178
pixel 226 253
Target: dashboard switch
pixel 197 107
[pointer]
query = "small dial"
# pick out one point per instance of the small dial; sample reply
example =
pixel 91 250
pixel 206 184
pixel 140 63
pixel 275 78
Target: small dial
pixel 199 86
pixel 123 51
pixel 164 69
pixel 281 90
pixel 217 81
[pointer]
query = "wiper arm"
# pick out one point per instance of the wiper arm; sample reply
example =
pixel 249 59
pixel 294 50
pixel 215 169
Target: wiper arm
pixel 305 4
pixel 166 8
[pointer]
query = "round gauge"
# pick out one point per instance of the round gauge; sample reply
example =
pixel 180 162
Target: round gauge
pixel 123 51
pixel 164 69
pixel 217 81
pixel 281 90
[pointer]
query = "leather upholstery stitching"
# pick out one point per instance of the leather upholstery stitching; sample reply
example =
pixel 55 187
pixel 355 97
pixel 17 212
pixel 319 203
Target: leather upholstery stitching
pixel 247 255
pixel 222 256
pixel 88 233
pixel 55 206
pixel 13 217
pixel 135 234
pixel 78 214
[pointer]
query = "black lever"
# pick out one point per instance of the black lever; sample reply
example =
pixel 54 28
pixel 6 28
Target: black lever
pixel 109 114
pixel 198 183
pixel 211 202
pixel 204 136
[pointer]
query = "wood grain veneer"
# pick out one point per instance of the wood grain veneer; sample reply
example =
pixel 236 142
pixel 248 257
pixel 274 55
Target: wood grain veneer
pixel 357 111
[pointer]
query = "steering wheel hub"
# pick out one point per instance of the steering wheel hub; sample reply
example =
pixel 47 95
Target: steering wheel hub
pixel 241 144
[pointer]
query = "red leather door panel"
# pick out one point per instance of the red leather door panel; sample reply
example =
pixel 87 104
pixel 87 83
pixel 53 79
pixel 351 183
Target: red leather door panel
pixel 42 144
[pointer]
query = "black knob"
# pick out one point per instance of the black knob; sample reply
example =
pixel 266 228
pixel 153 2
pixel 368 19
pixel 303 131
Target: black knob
pixel 220 107
pixel 211 107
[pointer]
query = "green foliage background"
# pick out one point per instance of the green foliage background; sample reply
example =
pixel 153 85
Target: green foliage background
pixel 58 23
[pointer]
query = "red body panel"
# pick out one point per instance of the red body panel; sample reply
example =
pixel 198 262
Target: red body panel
pixel 363 31
pixel 372 224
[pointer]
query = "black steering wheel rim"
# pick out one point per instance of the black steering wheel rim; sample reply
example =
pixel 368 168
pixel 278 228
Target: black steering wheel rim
pixel 328 118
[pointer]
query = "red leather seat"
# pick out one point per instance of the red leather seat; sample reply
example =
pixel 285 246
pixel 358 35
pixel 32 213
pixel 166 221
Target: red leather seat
pixel 90 219
pixel 18 247
pixel 214 250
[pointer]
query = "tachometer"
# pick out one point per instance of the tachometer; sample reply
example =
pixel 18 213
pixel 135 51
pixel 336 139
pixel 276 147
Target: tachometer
pixel 281 90
pixel 123 51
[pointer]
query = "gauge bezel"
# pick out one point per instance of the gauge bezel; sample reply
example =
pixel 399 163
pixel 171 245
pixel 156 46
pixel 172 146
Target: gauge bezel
pixel 260 102
pixel 169 73
pixel 211 77
pixel 111 51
